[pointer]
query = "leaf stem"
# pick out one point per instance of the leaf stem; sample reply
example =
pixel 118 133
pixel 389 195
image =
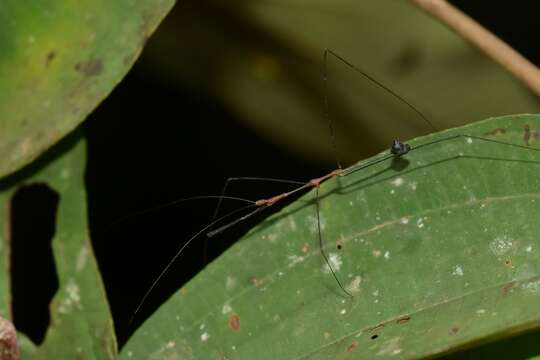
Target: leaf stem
pixel 486 41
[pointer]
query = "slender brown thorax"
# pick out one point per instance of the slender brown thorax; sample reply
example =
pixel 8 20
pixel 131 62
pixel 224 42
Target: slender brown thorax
pixel 310 184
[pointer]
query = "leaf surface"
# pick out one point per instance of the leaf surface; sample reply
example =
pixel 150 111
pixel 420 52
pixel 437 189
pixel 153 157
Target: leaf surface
pixel 58 60
pixel 439 249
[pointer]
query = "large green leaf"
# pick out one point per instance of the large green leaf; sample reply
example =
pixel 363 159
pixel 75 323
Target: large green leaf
pixel 80 320
pixel 58 60
pixel 439 249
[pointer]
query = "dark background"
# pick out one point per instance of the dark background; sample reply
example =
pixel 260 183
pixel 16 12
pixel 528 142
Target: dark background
pixel 153 141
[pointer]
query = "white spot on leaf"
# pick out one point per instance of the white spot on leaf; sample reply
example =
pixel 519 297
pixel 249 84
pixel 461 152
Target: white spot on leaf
pixel 335 261
pixel 354 285
pixel 226 309
pixel 294 259
pixel 390 347
pixel 531 286
pixel 230 283
pixel 397 182
pixel 501 245
pixel 72 298
pixel 458 271
pixel 81 258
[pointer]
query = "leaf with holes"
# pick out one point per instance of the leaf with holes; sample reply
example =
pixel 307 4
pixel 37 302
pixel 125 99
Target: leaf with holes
pixel 58 60
pixel 438 247
pixel 80 322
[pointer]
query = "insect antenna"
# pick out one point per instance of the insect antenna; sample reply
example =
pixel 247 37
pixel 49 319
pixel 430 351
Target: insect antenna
pixel 373 80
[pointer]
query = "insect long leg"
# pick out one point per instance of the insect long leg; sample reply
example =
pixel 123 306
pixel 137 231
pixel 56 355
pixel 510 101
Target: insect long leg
pixel 321 245
pixel 392 155
pixel 181 250
pixel 452 137
pixel 169 205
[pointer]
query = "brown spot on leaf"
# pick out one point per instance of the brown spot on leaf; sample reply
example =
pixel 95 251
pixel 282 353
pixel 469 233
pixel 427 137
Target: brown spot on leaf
pixel 50 57
pixel 453 331
pixel 90 67
pixel 526 134
pixel 508 264
pixel 234 322
pixel 353 346
pixel 507 287
pixel 495 132
pixel 9 350
pixel 257 282
pixel 377 328
pixel 79 355
pixel 305 248
pixel 403 320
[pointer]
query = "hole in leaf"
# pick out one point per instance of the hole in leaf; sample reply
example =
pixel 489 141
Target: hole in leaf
pixel 33 275
pixel 339 246
pixel 373 337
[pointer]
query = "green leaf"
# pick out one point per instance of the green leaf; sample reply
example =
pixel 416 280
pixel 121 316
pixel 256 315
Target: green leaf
pixel 439 248
pixel 58 60
pixel 80 319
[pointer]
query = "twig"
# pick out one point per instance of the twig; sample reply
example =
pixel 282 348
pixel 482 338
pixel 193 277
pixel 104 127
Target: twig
pixel 491 45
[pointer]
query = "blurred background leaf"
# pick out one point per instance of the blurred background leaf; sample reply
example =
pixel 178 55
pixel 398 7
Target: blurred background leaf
pixel 272 50
pixel 58 60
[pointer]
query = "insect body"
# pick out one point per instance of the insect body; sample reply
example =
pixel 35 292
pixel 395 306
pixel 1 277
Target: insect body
pixel 383 212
